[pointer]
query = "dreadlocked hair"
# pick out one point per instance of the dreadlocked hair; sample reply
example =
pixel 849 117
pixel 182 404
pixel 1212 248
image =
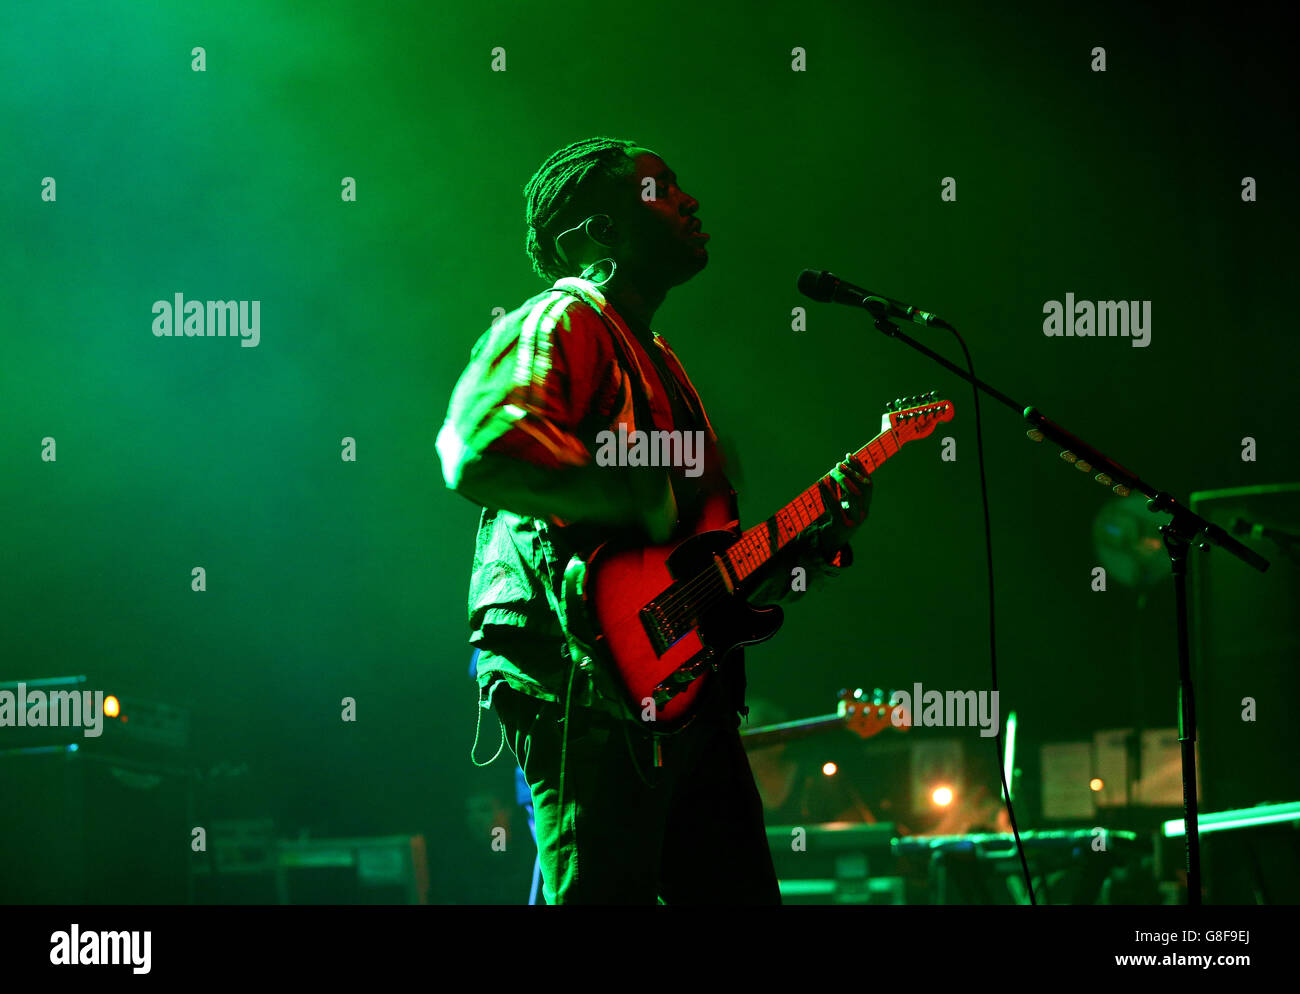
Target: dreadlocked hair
pixel 551 193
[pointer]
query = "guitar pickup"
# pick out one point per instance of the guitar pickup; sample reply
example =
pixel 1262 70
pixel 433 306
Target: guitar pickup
pixel 661 632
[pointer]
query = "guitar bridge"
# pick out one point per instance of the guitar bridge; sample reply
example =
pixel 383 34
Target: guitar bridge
pixel 662 632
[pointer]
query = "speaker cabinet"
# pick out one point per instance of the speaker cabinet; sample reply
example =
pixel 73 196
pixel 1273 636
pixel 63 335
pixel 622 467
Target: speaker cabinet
pixel 78 828
pixel 1246 658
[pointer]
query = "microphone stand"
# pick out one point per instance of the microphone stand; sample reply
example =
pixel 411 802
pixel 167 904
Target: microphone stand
pixel 1183 528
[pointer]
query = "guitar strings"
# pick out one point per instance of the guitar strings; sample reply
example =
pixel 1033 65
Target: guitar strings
pixel 709 581
pixel 711 577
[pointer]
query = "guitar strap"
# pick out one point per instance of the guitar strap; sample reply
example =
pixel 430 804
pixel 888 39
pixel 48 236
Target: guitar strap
pixel 692 397
pixel 554 553
pixel 659 416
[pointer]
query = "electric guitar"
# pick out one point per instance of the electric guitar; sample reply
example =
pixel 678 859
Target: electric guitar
pixel 864 716
pixel 648 622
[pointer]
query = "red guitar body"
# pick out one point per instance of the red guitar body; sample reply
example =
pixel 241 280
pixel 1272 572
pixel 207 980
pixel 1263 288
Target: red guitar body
pixel 649 623
pixel 617 610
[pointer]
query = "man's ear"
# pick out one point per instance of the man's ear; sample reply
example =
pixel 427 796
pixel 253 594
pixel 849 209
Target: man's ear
pixel 600 228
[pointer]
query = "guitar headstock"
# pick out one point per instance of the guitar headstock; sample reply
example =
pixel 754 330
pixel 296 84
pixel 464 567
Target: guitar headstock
pixel 867 714
pixel 916 417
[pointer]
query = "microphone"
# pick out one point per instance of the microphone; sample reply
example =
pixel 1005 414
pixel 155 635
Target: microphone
pixel 830 289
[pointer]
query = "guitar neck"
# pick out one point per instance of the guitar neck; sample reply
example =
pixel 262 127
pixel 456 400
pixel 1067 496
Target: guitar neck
pixel 772 734
pixel 759 545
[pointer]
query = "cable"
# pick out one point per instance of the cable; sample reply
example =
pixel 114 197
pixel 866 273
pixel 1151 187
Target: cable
pixel 478 721
pixel 564 745
pixel 585 226
pixel 993 641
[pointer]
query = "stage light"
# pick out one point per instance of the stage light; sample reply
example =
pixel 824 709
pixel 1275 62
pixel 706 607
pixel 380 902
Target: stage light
pixel 111 706
pixel 942 796
pixel 1096 784
pixel 1009 758
pixel 829 769
pixel 1220 821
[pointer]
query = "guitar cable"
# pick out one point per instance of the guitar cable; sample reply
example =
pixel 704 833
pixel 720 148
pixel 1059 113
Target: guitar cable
pixel 564 745
pixel 993 642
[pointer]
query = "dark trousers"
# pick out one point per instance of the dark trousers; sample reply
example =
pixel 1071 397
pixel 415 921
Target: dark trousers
pixel 688 832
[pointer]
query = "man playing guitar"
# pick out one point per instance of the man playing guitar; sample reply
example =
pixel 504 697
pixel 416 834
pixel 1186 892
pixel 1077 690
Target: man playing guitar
pixel 623 815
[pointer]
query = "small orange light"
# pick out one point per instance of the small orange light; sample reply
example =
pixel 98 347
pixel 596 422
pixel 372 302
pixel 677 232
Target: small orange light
pixel 1095 784
pixel 942 796
pixel 111 706
pixel 829 769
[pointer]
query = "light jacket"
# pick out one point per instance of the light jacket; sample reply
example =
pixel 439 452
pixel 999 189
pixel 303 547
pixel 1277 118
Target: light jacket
pixel 542 382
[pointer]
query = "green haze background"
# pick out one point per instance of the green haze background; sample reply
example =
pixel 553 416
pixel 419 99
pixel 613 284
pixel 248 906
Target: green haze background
pixel 329 579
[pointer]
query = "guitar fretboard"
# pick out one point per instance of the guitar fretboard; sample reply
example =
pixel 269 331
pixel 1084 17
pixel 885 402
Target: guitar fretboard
pixel 757 546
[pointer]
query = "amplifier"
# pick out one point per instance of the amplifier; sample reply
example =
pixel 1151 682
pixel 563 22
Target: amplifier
pixel 83 827
pixel 1245 654
pixel 246 864
pixel 1077 866
pixel 69 710
pixel 382 870
pixel 835 863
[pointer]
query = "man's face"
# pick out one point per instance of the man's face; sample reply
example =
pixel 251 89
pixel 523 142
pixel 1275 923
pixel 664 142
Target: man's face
pixel 659 239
